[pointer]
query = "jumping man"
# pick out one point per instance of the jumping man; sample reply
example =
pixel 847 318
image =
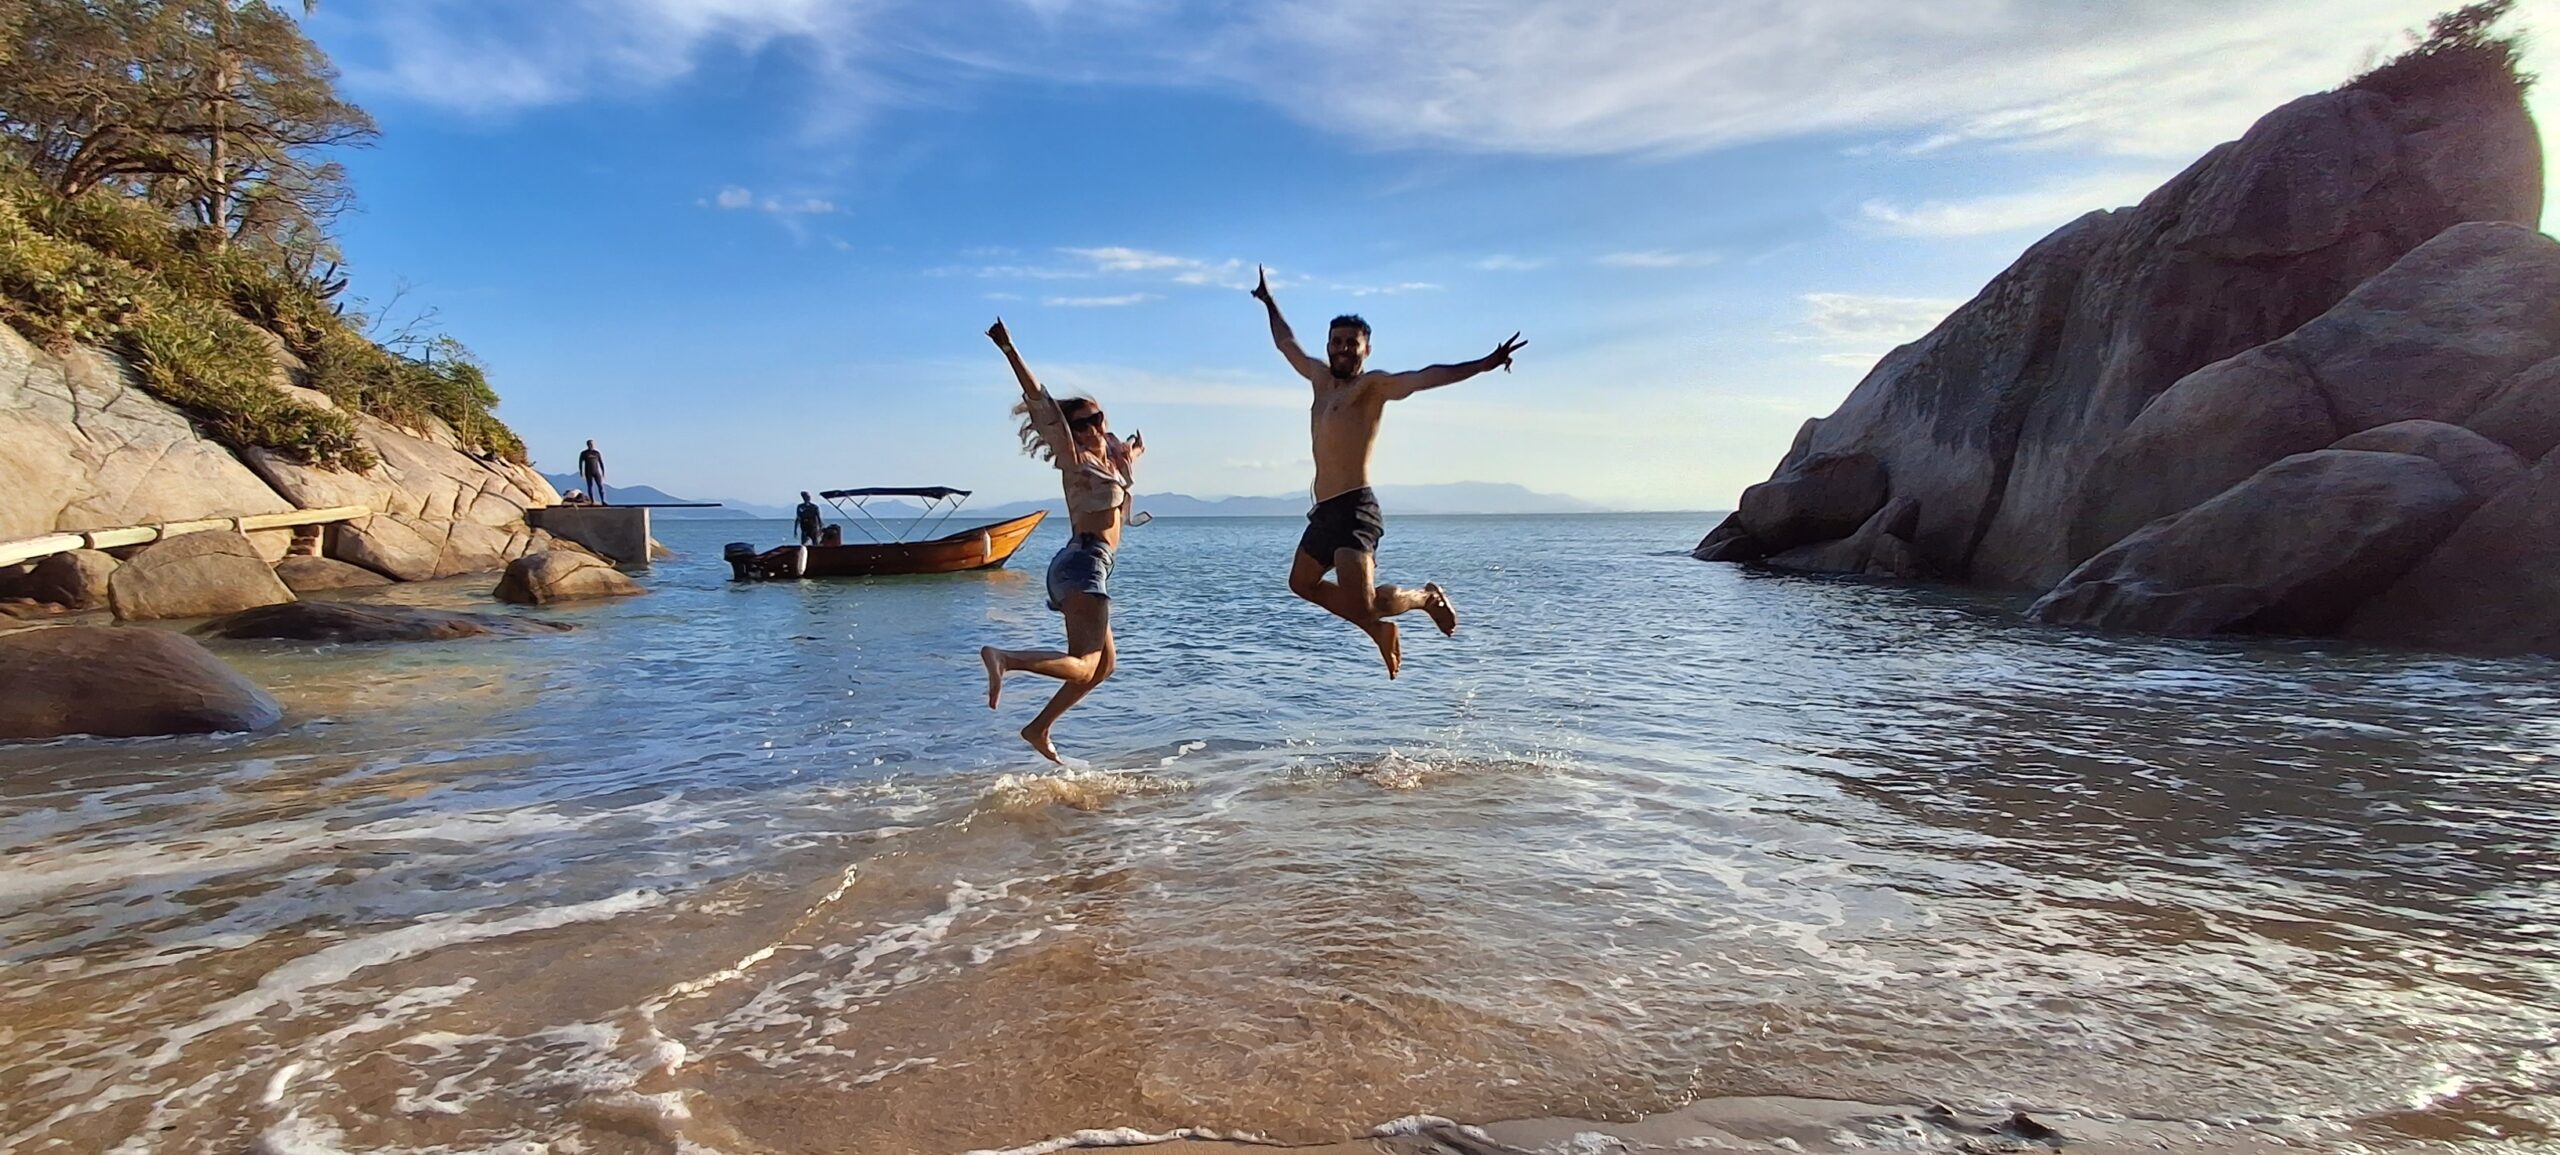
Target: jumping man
pixel 1344 527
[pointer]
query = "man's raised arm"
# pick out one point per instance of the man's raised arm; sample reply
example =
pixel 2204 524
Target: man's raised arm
pixel 1398 386
pixel 1307 367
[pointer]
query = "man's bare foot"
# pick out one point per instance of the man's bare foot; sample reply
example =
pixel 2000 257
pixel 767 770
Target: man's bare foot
pixel 995 674
pixel 1039 740
pixel 1435 602
pixel 1390 646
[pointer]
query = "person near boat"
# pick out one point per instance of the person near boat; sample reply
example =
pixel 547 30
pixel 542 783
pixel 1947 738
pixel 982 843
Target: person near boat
pixel 1094 469
pixel 807 520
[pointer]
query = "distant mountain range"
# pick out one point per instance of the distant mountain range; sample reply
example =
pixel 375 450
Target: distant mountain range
pixel 1452 498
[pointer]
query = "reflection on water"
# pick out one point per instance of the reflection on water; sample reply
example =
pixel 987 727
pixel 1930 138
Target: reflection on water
pixel 751 868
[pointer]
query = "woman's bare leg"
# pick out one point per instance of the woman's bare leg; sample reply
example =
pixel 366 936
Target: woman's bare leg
pixel 1091 660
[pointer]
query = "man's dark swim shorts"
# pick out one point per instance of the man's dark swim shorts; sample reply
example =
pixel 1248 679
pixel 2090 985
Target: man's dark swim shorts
pixel 1343 521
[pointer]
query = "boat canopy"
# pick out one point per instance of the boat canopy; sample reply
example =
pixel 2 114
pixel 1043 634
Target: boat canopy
pixel 928 492
pixel 940 502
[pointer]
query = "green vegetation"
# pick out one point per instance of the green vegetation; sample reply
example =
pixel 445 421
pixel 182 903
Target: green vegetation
pixel 163 196
pixel 2459 47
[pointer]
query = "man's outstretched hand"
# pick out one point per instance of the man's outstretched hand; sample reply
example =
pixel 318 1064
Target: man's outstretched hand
pixel 996 333
pixel 1502 353
pixel 1262 284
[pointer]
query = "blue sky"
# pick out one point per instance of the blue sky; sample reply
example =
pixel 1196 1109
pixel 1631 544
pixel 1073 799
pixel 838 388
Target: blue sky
pixel 750 246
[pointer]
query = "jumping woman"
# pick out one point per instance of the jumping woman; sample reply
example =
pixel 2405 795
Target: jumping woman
pixel 1094 467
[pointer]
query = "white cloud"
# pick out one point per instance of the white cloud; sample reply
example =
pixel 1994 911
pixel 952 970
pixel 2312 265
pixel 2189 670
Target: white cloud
pixel 2039 208
pixel 1386 290
pixel 1123 300
pixel 1857 329
pixel 2161 78
pixel 735 197
pixel 1657 259
pixel 1505 263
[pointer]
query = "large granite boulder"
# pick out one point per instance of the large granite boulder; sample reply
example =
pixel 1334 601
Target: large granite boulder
pixel 196 575
pixel 423 475
pixel 2493 587
pixel 410 548
pixel 75 579
pixel 1993 420
pixel 544 578
pixel 2480 466
pixel 2293 550
pixel 2435 337
pixel 1824 496
pixel 83 447
pixel 305 575
pixel 121 683
pixel 2524 415
pixel 1881 548
pixel 349 622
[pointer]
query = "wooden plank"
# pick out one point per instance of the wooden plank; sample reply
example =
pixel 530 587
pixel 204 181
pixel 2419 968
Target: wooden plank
pixel 47 545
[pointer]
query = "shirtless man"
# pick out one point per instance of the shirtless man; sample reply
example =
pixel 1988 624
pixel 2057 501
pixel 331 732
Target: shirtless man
pixel 1344 527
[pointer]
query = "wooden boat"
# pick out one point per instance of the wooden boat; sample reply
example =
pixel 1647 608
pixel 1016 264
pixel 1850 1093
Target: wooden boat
pixel 892 550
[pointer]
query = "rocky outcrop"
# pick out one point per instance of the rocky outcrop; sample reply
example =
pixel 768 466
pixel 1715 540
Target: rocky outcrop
pixel 2292 550
pixel 544 578
pixel 76 580
pixel 340 622
pixel 83 447
pixel 409 548
pixel 2493 587
pixel 1992 423
pixel 196 575
pixel 1880 548
pixel 121 683
pixel 2295 391
pixel 304 575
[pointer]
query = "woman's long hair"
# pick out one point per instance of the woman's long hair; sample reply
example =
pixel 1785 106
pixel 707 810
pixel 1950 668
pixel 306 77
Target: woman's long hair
pixel 1079 412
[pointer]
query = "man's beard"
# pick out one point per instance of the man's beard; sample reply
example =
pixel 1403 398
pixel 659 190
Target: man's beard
pixel 1344 368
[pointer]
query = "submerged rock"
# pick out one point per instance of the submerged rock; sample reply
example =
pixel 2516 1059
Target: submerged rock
pixel 121 683
pixel 544 578
pixel 349 622
pixel 196 575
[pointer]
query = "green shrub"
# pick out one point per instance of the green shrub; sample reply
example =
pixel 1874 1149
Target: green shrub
pixel 111 271
pixel 2460 47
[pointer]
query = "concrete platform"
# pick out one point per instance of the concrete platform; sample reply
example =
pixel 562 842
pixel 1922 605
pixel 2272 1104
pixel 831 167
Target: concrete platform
pixel 618 532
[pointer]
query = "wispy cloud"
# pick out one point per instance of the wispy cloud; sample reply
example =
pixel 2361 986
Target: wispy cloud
pixel 1505 263
pixel 2039 208
pixel 1588 77
pixel 738 198
pixel 1656 259
pixel 1857 329
pixel 1386 290
pixel 1120 301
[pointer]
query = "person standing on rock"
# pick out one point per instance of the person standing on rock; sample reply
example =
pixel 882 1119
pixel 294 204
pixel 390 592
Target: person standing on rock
pixel 591 471
pixel 1094 467
pixel 808 521
pixel 1344 527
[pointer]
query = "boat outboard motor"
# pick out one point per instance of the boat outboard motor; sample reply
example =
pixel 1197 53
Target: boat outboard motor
pixel 741 557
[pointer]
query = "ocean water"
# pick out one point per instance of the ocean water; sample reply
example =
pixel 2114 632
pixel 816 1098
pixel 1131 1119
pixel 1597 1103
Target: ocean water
pixel 753 869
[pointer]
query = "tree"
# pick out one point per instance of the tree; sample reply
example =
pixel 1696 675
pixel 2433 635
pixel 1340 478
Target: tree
pixel 217 109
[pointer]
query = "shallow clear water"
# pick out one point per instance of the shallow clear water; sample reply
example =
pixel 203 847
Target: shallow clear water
pixel 752 868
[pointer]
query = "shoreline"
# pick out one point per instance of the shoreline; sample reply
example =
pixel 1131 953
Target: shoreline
pixel 1735 1124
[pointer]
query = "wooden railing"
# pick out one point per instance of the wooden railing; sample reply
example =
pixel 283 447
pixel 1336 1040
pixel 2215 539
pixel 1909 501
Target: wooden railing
pixel 31 548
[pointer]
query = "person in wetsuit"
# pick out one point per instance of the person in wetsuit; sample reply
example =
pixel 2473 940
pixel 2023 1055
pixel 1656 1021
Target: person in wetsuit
pixel 1094 469
pixel 1344 527
pixel 808 521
